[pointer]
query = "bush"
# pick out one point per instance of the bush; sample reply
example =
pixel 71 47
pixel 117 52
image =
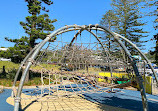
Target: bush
pixel 11 74
pixel 6 82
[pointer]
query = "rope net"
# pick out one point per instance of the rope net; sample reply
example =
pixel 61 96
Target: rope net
pixel 80 65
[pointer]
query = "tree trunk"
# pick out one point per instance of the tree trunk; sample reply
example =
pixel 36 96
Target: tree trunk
pixel 4 72
pixel 27 76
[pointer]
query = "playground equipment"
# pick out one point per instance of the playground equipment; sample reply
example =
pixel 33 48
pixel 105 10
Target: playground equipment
pixel 70 64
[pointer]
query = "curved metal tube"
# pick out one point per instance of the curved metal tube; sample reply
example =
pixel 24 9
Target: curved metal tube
pixel 30 60
pixel 23 62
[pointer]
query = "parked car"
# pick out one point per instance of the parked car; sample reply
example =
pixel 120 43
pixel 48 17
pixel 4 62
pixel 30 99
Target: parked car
pixel 4 59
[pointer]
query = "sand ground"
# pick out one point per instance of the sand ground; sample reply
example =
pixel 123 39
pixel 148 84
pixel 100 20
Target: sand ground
pixel 73 103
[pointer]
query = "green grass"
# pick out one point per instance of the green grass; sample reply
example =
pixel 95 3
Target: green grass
pixel 8 66
pixel 36 81
pixel 6 82
pixel 90 70
pixel 11 69
pixel 47 66
pixel 32 82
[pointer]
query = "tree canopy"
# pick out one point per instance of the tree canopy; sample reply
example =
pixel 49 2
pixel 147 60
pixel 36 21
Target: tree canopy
pixel 36 26
pixel 125 19
pixel 154 13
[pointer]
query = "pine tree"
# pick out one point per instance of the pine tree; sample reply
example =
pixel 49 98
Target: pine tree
pixel 154 13
pixel 127 21
pixel 108 21
pixel 36 26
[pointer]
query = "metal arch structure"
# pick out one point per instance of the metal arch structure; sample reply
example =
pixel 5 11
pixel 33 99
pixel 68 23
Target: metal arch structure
pixel 28 61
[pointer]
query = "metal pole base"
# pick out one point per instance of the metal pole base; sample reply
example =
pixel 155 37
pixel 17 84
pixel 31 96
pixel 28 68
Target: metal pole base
pixel 17 105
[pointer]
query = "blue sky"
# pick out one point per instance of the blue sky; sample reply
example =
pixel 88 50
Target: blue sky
pixel 67 12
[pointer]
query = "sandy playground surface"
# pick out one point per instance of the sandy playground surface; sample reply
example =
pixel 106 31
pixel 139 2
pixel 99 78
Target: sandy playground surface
pixel 73 103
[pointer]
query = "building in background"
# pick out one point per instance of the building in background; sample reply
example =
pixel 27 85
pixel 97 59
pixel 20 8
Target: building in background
pixel 4 59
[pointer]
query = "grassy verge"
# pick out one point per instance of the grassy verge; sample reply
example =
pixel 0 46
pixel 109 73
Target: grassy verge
pixel 7 75
pixel 8 66
pixel 51 67
pixel 6 82
pixel 32 82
